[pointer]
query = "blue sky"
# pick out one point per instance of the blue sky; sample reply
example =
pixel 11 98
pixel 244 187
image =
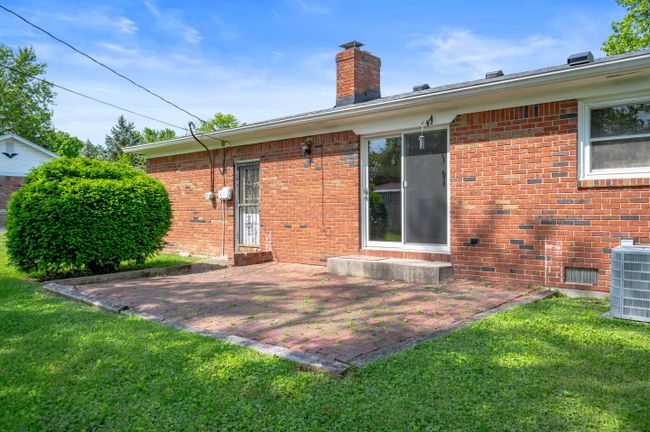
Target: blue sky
pixel 264 59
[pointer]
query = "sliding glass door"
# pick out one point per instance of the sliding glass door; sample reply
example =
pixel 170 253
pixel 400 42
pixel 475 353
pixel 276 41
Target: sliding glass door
pixel 405 191
pixel 425 188
pixel 384 190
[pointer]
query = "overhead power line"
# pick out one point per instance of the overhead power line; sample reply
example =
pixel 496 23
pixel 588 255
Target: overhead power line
pixel 91 58
pixel 90 97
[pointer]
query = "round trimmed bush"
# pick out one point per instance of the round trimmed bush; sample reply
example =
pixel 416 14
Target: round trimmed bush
pixel 76 213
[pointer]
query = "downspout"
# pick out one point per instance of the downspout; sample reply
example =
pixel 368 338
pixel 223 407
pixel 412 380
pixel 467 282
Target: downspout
pixel 191 126
pixel 223 204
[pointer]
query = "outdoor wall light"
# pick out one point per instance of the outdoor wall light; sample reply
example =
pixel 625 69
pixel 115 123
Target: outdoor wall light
pixel 306 148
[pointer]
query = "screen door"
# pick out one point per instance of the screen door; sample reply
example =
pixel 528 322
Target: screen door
pixel 425 187
pixel 248 204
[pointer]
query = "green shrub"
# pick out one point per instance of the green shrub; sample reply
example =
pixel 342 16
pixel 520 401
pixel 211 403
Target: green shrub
pixel 76 213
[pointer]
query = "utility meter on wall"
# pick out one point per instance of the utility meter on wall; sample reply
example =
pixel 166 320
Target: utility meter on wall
pixel 225 193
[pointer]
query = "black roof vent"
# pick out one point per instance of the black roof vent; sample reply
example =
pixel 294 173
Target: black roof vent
pixel 580 58
pixel 494 74
pixel 421 87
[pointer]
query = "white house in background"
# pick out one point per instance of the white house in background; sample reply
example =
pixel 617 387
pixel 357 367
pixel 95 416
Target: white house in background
pixel 18 157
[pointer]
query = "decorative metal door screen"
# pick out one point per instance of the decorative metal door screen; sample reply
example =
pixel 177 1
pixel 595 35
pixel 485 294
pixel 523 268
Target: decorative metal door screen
pixel 248 204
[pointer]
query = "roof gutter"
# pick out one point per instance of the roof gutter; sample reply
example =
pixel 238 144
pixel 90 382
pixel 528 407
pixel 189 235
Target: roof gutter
pixel 480 87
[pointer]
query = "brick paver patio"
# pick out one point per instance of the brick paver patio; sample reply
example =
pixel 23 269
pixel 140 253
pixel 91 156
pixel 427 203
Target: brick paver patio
pixel 306 309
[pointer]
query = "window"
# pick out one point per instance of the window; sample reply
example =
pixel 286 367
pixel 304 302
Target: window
pixel 616 139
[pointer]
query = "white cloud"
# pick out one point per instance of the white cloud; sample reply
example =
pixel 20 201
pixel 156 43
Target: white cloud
pixel 152 9
pixel 261 88
pixel 172 20
pixel 224 28
pixel 320 64
pixel 312 7
pixel 125 25
pixel 466 55
pixel 460 54
pixel 118 49
pixel 252 91
pixel 99 18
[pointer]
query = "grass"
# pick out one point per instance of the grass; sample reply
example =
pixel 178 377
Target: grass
pixel 392 236
pixel 161 259
pixel 552 365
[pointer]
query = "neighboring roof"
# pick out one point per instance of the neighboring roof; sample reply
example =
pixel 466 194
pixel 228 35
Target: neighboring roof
pixel 388 187
pixel 612 64
pixel 28 143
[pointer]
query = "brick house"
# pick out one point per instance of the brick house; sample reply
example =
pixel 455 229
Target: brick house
pixel 533 175
pixel 18 157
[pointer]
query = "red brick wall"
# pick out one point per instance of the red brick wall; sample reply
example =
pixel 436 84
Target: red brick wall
pixel 8 185
pixel 309 208
pixel 357 76
pixel 513 183
pixel 514 186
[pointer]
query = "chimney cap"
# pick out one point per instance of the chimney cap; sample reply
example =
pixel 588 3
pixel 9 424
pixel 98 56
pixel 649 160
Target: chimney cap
pixel 351 44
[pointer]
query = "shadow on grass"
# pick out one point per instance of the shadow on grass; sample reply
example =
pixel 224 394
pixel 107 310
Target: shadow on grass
pixel 553 365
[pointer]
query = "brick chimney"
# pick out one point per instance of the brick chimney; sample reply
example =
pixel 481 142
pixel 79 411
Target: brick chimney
pixel 357 75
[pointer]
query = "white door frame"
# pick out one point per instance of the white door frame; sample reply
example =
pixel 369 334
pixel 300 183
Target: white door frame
pixel 399 246
pixel 238 165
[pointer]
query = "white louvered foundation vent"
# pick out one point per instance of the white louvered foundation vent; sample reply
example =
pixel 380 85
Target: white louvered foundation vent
pixel 630 290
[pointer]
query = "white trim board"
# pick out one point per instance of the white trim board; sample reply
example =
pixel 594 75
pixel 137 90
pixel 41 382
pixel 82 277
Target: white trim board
pixel 584 143
pixel 395 120
pixel 609 76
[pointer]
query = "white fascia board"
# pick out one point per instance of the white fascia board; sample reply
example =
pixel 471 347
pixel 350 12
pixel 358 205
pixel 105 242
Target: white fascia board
pixel 444 115
pixel 548 86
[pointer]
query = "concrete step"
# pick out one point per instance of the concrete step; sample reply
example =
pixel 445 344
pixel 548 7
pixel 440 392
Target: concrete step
pixel 416 271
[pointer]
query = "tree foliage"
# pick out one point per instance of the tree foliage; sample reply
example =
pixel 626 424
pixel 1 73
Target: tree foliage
pixel 149 135
pixel 24 102
pixel 122 135
pixel 64 144
pixel 75 213
pixel 629 119
pixel 384 164
pixel 632 33
pixel 93 151
pixel 219 121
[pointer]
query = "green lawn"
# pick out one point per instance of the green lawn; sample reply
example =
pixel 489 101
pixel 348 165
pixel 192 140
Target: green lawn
pixel 554 365
pixel 161 259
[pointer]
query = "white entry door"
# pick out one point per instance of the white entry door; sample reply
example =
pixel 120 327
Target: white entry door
pixel 405 191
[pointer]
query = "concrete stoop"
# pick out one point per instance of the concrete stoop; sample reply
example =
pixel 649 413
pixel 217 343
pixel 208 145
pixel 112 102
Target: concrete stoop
pixel 407 270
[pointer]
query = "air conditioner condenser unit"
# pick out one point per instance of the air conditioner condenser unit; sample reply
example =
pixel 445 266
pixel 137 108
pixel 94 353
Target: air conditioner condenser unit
pixel 630 288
